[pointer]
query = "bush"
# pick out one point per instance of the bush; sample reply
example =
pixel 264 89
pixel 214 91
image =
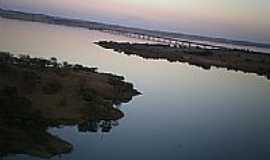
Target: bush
pixel 63 101
pixel 9 91
pixel 52 87
pixel 88 94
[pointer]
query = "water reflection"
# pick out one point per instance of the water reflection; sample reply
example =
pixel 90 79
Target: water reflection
pixel 214 114
pixel 97 126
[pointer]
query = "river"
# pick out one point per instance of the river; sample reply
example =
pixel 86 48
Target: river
pixel 185 112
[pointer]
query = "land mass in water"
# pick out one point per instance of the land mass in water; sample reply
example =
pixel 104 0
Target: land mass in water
pixel 36 94
pixel 33 17
pixel 232 59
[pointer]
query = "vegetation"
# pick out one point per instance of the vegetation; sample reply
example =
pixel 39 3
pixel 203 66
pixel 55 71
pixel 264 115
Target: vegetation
pixel 38 93
pixel 232 59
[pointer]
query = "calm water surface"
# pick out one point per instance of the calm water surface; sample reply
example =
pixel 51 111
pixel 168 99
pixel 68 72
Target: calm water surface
pixel 185 112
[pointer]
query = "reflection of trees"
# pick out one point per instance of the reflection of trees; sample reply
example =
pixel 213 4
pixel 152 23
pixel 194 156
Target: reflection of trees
pixel 97 125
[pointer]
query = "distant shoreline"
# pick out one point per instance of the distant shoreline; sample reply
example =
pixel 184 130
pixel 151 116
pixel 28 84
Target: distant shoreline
pixel 34 17
pixel 232 59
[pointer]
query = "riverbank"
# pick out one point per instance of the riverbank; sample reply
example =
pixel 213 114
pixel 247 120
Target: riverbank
pixel 232 59
pixel 48 19
pixel 36 94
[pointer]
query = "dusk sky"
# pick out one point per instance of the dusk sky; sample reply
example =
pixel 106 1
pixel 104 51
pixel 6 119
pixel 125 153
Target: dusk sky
pixel 235 19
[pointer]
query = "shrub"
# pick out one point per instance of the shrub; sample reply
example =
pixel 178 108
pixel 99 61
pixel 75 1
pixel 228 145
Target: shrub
pixel 88 94
pixel 9 91
pixel 52 87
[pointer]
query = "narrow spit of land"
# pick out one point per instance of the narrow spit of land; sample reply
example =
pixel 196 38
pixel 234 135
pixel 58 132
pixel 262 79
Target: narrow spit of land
pixel 36 94
pixel 232 59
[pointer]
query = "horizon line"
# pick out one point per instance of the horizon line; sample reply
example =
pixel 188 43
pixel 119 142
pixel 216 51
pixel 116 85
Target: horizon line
pixel 232 40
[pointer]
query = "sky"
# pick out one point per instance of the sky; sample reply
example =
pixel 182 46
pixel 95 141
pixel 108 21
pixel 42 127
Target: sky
pixel 235 19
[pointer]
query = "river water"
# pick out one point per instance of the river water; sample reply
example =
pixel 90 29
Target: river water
pixel 185 112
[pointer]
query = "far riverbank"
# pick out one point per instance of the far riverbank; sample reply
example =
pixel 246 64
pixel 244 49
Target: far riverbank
pixel 232 59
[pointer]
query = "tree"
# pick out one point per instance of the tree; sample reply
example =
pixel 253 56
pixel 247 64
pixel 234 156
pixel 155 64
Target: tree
pixel 54 61
pixel 65 64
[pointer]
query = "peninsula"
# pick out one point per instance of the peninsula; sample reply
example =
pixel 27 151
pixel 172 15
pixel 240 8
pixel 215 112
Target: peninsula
pixel 232 59
pixel 37 93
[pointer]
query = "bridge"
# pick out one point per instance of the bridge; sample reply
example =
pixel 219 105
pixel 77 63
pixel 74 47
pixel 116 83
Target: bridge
pixel 170 41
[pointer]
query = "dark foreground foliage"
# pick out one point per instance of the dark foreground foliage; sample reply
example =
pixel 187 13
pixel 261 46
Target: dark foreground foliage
pixel 37 93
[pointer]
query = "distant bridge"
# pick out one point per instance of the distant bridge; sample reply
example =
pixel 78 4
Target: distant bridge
pixel 172 42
